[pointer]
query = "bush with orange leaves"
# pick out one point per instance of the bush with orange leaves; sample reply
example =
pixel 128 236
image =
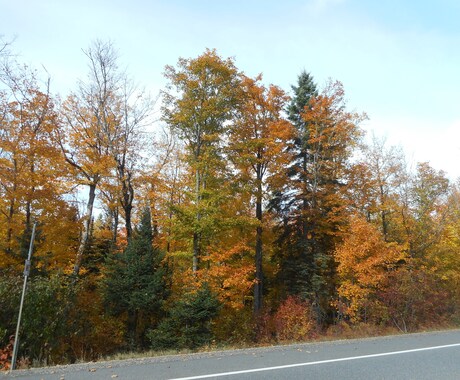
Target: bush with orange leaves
pixel 294 320
pixel 6 355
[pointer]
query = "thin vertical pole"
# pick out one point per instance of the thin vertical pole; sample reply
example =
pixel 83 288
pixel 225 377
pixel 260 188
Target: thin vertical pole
pixel 26 276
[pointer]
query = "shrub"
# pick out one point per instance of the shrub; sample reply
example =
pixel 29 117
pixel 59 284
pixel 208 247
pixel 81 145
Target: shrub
pixel 294 320
pixel 44 318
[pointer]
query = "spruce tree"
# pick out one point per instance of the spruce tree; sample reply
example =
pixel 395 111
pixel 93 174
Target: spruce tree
pixel 305 89
pixel 135 283
pixel 292 202
pixel 315 207
pixel 188 324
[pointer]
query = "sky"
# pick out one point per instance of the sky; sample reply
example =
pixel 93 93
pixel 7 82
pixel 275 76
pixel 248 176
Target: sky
pixel 399 60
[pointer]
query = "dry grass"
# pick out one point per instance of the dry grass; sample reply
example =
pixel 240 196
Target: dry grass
pixel 340 331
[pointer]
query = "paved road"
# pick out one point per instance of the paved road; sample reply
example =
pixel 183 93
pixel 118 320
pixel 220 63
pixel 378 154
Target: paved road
pixel 414 356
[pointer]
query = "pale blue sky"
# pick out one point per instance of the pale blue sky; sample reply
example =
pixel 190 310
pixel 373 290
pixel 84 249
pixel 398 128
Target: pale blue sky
pixel 398 60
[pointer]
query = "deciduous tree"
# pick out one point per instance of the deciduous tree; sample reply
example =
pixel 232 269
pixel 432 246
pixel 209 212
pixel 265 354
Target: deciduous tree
pixel 90 121
pixel 364 262
pixel 198 111
pixel 31 168
pixel 259 143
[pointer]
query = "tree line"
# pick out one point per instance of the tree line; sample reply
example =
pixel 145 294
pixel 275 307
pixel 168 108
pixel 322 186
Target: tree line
pixel 254 215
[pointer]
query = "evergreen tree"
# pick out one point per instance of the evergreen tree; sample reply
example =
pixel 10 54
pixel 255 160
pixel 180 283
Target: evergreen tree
pixel 100 246
pixel 291 203
pixel 135 283
pixel 305 89
pixel 189 322
pixel 316 206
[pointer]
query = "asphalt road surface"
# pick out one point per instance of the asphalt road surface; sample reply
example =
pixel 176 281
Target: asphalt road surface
pixel 412 356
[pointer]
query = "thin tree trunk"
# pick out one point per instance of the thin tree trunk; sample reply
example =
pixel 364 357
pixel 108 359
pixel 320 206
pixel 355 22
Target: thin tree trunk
pixel 258 286
pixel 128 195
pixel 196 251
pixel 9 234
pixel 29 200
pixel 197 234
pixel 28 214
pixel 132 329
pixel 86 229
pixel 169 229
pixel 115 218
pixel 303 216
pixel 11 211
pixel 127 198
pixel 383 213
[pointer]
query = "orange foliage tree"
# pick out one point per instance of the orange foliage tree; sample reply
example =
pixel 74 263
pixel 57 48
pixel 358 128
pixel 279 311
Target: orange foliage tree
pixel 31 172
pixel 364 262
pixel 259 140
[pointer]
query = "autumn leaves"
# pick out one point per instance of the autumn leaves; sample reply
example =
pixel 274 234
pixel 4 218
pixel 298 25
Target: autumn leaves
pixel 261 204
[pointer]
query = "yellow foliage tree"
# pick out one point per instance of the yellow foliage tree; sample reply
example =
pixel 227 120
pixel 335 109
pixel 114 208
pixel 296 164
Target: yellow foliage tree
pixel 200 104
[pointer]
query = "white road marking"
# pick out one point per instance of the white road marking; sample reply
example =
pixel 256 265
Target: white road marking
pixel 314 363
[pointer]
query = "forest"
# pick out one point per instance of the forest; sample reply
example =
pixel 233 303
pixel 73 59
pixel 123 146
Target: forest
pixel 225 212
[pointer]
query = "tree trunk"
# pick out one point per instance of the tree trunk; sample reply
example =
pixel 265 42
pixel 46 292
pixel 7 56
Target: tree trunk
pixel 128 222
pixel 86 229
pixel 258 286
pixel 303 215
pixel 11 211
pixel 133 339
pixel 383 213
pixel 197 234
pixel 127 198
pixel 196 251
pixel 9 234
pixel 115 217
